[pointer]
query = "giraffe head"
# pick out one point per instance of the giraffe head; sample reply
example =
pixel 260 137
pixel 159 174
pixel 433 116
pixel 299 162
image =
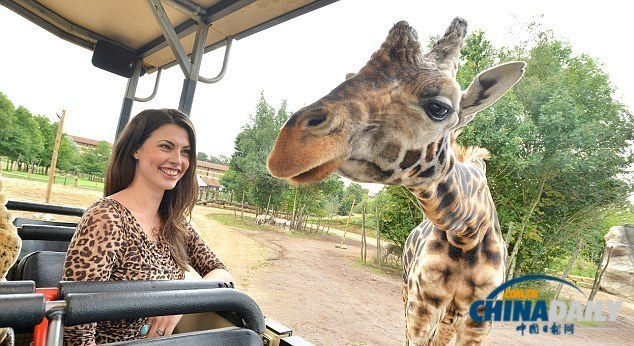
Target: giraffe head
pixel 390 123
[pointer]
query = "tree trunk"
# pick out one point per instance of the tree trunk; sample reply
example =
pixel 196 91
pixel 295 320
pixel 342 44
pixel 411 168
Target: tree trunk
pixel 507 240
pixel 516 247
pixel 293 221
pixel 378 237
pixel 599 274
pixel 570 262
pixel 267 206
pixel 364 244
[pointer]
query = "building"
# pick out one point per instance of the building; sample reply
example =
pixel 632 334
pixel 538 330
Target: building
pixel 86 143
pixel 210 174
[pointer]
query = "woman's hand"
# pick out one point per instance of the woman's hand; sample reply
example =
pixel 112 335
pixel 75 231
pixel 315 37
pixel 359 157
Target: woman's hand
pixel 219 274
pixel 162 325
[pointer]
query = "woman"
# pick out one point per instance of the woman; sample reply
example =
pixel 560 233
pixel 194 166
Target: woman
pixel 140 230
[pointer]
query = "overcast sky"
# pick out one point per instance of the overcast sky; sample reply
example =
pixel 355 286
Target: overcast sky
pixel 299 60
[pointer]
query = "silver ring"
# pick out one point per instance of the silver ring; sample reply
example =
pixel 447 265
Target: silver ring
pixel 160 332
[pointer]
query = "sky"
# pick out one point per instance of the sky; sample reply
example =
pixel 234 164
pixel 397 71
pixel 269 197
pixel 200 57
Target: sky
pixel 299 60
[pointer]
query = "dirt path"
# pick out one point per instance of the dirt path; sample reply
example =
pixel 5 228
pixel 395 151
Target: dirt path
pixel 323 293
pixel 326 296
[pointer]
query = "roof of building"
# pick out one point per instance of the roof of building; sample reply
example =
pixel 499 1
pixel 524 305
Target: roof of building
pixel 211 165
pixel 211 181
pixel 84 140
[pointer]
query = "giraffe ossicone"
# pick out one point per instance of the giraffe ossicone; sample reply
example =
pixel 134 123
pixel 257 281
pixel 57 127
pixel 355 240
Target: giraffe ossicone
pixel 394 122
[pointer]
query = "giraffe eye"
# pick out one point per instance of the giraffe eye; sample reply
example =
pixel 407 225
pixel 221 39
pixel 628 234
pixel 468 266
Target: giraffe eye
pixel 437 110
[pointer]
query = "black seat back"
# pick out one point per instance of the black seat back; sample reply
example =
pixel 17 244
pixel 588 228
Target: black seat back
pixel 44 238
pixel 41 237
pixel 45 268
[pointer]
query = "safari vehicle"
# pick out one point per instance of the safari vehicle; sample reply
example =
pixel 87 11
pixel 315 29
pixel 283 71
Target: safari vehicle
pixel 35 304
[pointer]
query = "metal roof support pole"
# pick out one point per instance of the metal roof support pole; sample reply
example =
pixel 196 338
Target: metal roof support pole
pixel 128 100
pixel 170 35
pixel 189 84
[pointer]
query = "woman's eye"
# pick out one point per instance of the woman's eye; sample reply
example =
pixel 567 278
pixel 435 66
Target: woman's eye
pixel 186 152
pixel 437 110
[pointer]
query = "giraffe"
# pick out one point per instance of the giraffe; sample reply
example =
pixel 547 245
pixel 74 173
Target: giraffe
pixel 10 244
pixel 394 122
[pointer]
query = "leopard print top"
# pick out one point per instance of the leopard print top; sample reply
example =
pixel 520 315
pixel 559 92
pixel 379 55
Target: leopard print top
pixel 110 245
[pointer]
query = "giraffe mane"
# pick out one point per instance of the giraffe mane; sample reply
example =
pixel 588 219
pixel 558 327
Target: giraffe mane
pixel 466 154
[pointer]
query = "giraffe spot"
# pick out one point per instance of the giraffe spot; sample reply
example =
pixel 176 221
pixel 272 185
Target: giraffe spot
pixel 455 253
pixel 442 235
pixel 433 299
pixel 411 157
pixel 436 245
pixel 472 284
pixel 456 239
pixel 450 165
pixel 421 311
pixel 441 141
pixel 431 150
pixel 369 128
pixel 471 256
pixel 390 151
pixel 447 272
pixel 447 200
pixel 427 173
pixel 415 170
pixel 441 156
pixel 372 170
pixel 492 256
pixel 443 188
pixel 424 195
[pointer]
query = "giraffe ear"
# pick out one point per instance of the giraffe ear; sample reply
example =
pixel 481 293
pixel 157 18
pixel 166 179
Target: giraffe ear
pixel 487 87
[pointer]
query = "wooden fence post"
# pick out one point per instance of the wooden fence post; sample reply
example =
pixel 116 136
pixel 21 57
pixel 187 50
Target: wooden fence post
pixel 364 243
pixel 345 230
pixel 570 262
pixel 599 274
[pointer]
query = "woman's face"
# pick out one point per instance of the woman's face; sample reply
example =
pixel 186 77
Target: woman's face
pixel 163 158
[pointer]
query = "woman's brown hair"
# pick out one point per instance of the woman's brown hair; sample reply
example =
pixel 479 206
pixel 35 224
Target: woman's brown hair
pixel 178 202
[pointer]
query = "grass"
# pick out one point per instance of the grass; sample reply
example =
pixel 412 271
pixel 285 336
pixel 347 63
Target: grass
pixel 339 222
pixel 67 180
pixel 391 269
pixel 580 267
pixel 246 222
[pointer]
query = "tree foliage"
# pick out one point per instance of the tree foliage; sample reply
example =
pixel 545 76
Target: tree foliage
pixel 248 173
pixel 559 142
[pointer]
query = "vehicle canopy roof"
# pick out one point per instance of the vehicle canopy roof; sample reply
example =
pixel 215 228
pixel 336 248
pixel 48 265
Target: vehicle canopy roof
pixel 131 38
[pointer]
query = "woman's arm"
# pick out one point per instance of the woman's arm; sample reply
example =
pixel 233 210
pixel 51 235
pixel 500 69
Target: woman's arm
pixel 204 261
pixel 219 274
pixel 91 255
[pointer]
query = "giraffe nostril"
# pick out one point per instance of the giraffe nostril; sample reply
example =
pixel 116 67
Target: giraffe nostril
pixel 315 119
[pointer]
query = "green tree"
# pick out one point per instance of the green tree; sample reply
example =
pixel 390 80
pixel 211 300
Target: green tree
pixel 220 159
pixel 399 213
pixel 557 140
pixel 202 156
pixel 353 193
pixel 6 113
pixel 248 161
pixel 93 162
pixel 24 141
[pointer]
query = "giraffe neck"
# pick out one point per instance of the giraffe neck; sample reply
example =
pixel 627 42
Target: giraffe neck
pixel 458 201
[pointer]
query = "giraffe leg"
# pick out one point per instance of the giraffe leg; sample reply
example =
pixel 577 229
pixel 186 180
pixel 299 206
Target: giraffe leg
pixel 472 333
pixel 445 332
pixel 422 320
